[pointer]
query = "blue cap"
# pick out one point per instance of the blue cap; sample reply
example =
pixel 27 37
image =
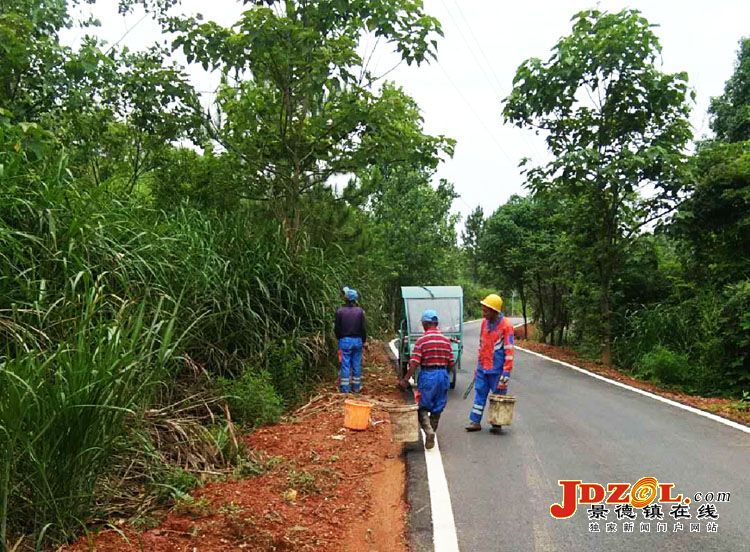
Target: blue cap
pixel 351 294
pixel 430 316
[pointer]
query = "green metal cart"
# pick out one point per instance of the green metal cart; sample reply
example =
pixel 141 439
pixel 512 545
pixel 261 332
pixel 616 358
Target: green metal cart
pixel 448 301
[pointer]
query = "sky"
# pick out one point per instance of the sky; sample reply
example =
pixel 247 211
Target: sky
pixel 485 41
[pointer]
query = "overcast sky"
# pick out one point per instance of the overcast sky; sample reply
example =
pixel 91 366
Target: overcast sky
pixel 485 42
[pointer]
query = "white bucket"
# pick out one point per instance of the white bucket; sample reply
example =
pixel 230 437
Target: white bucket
pixel 405 422
pixel 500 412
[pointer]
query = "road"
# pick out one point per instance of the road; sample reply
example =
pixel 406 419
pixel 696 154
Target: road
pixel 570 426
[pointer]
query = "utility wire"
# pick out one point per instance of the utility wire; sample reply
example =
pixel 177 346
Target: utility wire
pixel 481 121
pixel 127 32
pixel 496 87
pixel 471 50
pixel 473 35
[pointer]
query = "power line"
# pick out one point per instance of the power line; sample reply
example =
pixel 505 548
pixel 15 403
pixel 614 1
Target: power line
pixel 127 32
pixel 469 48
pixel 496 87
pixel 479 47
pixel 481 121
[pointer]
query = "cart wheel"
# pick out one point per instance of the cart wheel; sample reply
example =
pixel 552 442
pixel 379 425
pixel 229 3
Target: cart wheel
pixel 453 378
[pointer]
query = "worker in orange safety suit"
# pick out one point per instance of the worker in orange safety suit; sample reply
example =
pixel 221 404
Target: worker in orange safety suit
pixel 495 358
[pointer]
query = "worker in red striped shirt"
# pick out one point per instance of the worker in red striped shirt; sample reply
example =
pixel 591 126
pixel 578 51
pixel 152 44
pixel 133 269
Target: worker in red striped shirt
pixel 433 355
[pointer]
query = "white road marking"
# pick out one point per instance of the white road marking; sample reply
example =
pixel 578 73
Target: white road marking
pixel 443 527
pixel 444 535
pixel 697 411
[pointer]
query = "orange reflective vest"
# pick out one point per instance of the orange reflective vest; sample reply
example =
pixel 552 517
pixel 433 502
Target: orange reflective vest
pixel 496 346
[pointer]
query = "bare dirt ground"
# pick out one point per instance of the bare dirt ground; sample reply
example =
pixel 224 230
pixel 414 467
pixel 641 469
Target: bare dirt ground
pixel 323 487
pixel 727 408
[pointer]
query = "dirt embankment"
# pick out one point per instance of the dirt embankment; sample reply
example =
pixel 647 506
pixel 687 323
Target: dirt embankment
pixel 321 487
pixel 727 408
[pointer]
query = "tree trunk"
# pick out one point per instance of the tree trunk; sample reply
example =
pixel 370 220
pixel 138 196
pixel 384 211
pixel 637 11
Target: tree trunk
pixel 606 327
pixel 523 308
pixel 541 319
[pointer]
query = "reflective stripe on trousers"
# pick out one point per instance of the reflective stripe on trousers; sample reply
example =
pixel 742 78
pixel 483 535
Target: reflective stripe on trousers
pixel 350 350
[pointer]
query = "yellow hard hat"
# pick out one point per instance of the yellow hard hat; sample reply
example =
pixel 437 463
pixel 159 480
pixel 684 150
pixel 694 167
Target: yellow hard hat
pixel 493 301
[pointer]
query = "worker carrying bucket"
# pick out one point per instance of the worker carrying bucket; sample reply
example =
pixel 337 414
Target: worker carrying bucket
pixel 433 354
pixel 494 366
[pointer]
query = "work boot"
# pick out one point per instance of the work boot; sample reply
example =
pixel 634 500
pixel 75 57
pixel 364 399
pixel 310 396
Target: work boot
pixel 429 434
pixel 434 421
pixel 496 429
pixel 474 426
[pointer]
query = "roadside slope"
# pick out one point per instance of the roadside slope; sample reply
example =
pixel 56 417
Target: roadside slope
pixel 310 484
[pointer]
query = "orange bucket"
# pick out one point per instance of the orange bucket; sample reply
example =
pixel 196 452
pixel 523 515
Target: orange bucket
pixel 357 414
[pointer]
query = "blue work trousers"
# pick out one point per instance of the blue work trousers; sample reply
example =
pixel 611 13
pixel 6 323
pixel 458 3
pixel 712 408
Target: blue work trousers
pixel 483 385
pixel 433 389
pixel 351 364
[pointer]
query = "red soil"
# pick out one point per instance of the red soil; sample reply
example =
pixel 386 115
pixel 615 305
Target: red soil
pixel 327 488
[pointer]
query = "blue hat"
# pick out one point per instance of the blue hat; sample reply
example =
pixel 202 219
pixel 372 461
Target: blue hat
pixel 351 294
pixel 430 316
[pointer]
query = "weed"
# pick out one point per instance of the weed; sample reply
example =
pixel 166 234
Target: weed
pixel 188 505
pixel 303 481
pixel 176 482
pixel 256 463
pixel 230 509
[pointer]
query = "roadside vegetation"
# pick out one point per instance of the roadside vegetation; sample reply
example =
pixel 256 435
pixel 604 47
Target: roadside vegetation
pixel 169 268
pixel 629 247
pixel 170 259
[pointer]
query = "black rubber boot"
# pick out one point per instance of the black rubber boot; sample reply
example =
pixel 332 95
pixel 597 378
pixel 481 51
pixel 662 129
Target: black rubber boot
pixel 429 434
pixel 434 421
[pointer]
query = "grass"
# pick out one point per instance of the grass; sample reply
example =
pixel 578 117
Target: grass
pixel 106 307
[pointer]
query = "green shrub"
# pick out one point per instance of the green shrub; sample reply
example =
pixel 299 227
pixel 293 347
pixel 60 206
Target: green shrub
pixel 666 366
pixel 175 483
pixel 285 364
pixel 252 398
pixel 711 329
pixel 734 350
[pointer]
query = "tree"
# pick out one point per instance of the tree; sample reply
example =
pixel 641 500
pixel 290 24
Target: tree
pixel 523 247
pixel 296 104
pixel 116 111
pixel 615 125
pixel 471 236
pixel 730 112
pixel 715 219
pixel 413 230
pixel 33 76
pixel 122 112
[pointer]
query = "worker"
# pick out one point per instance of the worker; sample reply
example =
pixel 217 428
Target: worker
pixel 495 358
pixel 351 331
pixel 433 354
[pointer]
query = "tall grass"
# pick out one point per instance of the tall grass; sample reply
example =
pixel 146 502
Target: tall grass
pixel 93 291
pixel 63 408
pixel 696 344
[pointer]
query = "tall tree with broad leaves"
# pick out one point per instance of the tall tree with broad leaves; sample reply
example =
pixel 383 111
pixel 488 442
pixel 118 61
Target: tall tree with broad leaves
pixel 470 237
pixel 730 112
pixel 715 219
pixel 617 126
pixel 296 105
pixel 524 250
pixel 413 230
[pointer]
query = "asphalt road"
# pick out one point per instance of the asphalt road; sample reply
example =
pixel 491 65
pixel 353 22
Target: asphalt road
pixel 571 426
